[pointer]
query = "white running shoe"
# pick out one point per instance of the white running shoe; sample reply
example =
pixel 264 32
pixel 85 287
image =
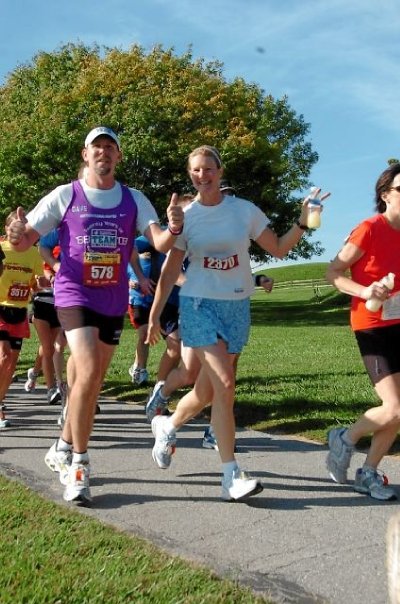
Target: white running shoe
pixel 339 456
pixel 53 396
pixel 30 384
pixel 373 483
pixel 156 403
pixel 140 376
pixel 77 485
pixel 165 445
pixel 240 486
pixel 59 461
pixel 209 439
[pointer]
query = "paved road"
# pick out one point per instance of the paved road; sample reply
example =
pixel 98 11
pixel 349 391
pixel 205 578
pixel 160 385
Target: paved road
pixel 302 540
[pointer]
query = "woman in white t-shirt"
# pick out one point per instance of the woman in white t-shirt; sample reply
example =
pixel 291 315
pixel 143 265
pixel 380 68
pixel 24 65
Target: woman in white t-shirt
pixel 215 307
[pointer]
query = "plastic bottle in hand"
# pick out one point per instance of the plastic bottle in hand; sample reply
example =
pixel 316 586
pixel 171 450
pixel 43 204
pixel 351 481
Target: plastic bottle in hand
pixel 374 304
pixel 314 210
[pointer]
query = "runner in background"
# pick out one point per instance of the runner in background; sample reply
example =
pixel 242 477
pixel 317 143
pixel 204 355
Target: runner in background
pixel 370 253
pixel 22 273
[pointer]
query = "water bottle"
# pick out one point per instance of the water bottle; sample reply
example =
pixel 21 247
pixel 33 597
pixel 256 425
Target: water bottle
pixel 314 210
pixel 374 304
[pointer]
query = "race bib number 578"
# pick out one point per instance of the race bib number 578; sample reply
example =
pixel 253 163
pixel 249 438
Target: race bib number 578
pixel 221 264
pixel 100 269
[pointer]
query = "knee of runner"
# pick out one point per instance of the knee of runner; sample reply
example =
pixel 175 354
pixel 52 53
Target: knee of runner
pixel 395 416
pixel 5 357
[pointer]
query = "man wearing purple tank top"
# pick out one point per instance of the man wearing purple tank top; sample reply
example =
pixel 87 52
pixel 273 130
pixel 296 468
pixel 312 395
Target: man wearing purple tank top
pixel 97 218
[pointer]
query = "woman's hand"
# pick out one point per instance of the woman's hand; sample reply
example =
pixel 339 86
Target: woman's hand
pixel 318 196
pixel 153 332
pixel 376 290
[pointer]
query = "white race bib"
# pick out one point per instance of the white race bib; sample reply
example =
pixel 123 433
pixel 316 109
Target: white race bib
pixel 391 307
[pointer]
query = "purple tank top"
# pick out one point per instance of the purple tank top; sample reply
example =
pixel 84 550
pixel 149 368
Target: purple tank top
pixel 96 245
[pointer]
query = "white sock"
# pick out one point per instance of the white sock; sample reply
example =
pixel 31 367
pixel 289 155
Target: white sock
pixel 228 468
pixel 80 457
pixel 62 445
pixel 169 427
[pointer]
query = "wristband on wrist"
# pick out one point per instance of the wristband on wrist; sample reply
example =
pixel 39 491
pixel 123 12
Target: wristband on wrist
pixel 303 227
pixel 176 233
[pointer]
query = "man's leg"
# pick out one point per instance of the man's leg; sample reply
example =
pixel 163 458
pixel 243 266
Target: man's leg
pixel 89 359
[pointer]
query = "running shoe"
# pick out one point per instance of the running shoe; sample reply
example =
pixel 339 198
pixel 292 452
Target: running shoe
pixel 30 384
pixel 62 416
pixel 157 403
pixel 77 485
pixel 240 486
pixel 373 483
pixel 140 377
pixel 165 445
pixel 209 440
pixel 53 396
pixel 339 455
pixel 59 461
pixel 4 423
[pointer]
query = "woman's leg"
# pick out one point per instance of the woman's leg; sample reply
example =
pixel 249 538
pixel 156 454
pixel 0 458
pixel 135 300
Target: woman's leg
pixel 47 337
pixel 170 357
pixel 382 421
pixel 8 363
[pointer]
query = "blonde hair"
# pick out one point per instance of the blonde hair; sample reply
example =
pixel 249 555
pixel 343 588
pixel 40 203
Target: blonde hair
pixel 208 151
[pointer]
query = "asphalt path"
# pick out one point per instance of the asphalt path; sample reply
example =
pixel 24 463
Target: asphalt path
pixel 302 540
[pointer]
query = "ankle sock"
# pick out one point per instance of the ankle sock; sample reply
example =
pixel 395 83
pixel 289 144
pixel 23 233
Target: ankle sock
pixel 228 468
pixel 169 427
pixel 80 457
pixel 62 445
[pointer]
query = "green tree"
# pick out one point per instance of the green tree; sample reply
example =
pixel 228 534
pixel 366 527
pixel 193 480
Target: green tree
pixel 162 106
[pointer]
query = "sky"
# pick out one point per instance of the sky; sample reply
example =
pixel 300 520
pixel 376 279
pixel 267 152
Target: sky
pixel 337 61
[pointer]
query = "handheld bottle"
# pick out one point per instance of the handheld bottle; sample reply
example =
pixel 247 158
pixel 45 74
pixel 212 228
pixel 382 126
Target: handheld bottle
pixel 314 210
pixel 374 304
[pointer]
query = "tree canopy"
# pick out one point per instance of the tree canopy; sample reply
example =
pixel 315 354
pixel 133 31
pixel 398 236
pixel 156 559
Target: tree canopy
pixel 162 106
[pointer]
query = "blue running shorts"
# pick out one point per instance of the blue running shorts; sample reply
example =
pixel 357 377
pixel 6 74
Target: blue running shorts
pixel 204 321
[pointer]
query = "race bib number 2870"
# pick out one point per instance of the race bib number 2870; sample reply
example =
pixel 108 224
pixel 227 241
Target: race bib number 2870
pixel 221 264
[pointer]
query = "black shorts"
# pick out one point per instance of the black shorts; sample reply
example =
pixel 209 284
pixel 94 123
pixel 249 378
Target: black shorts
pixel 74 317
pixel 45 311
pixel 169 319
pixel 15 343
pixel 379 348
pixel 138 315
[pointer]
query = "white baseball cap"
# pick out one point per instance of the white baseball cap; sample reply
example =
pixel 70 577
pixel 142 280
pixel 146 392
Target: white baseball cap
pixel 101 131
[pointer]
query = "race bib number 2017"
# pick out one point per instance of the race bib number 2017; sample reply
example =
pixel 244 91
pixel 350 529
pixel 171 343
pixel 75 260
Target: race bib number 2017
pixel 221 264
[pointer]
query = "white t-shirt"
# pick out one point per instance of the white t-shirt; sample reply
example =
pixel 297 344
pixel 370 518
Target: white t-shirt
pixel 217 240
pixel 50 210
